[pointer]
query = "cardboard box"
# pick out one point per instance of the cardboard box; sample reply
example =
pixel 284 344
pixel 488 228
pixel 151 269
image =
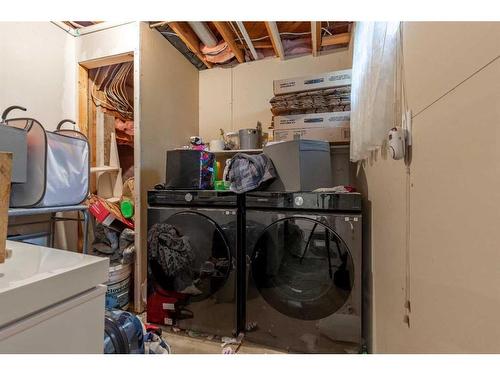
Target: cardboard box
pixel 313 82
pixel 332 134
pixel 108 214
pixel 312 120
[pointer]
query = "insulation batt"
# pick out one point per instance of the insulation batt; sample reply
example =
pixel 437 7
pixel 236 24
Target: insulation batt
pixel 221 53
pixel 124 131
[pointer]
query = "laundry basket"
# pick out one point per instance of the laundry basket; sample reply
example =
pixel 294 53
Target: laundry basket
pixel 58 166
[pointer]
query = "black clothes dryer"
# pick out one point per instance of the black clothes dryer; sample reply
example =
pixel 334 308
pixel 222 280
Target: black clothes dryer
pixel 304 271
pixel 192 260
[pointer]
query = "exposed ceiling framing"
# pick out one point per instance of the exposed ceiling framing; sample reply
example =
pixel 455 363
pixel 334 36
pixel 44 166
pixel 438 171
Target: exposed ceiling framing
pixel 274 35
pixel 333 40
pixel 240 42
pixel 187 35
pixel 316 37
pixel 228 37
pixel 248 40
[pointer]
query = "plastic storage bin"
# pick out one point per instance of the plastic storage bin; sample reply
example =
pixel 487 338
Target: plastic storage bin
pixel 58 166
pixel 302 165
pixel 341 166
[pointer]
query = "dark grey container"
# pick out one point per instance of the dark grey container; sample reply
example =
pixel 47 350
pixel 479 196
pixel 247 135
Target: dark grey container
pixel 14 140
pixel 301 165
pixel 250 139
pixel 341 166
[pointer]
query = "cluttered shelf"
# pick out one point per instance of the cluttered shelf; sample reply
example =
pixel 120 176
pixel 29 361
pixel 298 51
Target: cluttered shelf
pixel 259 150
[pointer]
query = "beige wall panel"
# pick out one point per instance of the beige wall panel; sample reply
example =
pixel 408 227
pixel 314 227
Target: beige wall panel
pixel 455 219
pixel 168 111
pixel 37 71
pixel 454 199
pixel 438 55
pixel 382 184
pixel 215 102
pixel 109 42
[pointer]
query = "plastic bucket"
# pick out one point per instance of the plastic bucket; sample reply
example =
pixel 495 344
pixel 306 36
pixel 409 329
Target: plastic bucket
pixel 117 295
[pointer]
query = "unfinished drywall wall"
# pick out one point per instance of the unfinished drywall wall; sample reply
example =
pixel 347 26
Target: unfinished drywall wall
pixel 102 47
pixel 453 196
pixel 238 97
pixel 168 112
pixel 109 42
pixel 37 71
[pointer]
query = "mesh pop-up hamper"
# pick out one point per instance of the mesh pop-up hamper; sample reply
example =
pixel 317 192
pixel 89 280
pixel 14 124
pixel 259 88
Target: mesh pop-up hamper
pixel 58 166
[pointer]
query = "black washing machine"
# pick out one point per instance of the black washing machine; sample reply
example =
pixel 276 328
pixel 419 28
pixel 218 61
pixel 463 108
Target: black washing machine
pixel 192 260
pixel 304 262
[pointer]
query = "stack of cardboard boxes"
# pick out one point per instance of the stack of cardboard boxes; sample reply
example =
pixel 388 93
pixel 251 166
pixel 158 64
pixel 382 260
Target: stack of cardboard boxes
pixel 315 107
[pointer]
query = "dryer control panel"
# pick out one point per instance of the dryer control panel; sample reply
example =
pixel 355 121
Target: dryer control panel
pixel 305 201
pixel 160 197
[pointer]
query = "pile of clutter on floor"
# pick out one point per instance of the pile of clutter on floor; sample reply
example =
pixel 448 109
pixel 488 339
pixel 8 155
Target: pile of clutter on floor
pixel 126 333
pixel 114 233
pixel 229 345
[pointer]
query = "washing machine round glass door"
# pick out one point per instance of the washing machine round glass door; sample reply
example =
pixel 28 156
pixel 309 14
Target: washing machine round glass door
pixel 302 268
pixel 202 248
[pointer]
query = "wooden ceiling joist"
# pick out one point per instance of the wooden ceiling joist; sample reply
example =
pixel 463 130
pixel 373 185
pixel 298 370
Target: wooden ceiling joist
pixel 112 60
pixel 259 44
pixel 187 35
pixel 157 24
pixel 228 36
pixel 259 37
pixel 274 35
pixel 336 39
pixel 316 37
pixel 248 41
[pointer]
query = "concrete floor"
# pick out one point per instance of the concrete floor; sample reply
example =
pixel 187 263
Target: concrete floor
pixel 183 344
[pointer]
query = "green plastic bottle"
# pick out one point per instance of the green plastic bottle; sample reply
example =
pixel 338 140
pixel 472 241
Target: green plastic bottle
pixel 214 174
pixel 127 208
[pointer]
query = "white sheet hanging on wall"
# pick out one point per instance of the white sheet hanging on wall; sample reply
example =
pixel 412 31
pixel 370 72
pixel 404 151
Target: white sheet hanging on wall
pixel 373 90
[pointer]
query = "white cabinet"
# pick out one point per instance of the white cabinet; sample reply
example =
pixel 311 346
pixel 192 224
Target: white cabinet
pixel 51 301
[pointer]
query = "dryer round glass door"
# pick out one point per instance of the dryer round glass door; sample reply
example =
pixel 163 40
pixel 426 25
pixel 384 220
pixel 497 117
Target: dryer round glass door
pixel 302 268
pixel 194 258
